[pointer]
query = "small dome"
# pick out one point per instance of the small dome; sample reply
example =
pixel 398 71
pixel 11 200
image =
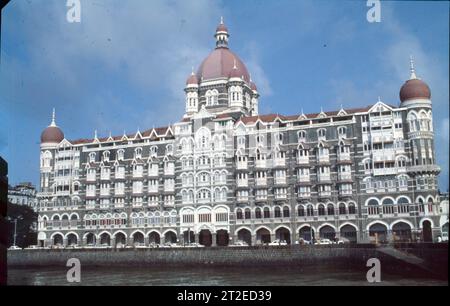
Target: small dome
pixel 221 28
pixel 414 89
pixel 52 134
pixel 253 86
pixel 192 79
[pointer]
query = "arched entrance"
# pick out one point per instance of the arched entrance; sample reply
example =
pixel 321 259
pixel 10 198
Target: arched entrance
pixel 90 239
pixel 401 232
pixel 105 239
pixel 121 240
pixel 263 235
pixel 170 237
pixel 189 237
pixel 283 234
pixel 306 233
pixel 58 240
pixel 245 235
pixel 349 232
pixel 327 232
pixel 205 238
pixel 378 233
pixel 138 239
pixel 426 231
pixel 154 238
pixel 72 240
pixel 222 238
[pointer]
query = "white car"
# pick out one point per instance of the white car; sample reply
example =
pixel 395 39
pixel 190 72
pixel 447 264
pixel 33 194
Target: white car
pixel 239 243
pixel 14 247
pixel 324 241
pixel 444 236
pixel 278 242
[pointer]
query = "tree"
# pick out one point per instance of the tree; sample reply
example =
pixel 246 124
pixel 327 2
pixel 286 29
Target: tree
pixel 26 225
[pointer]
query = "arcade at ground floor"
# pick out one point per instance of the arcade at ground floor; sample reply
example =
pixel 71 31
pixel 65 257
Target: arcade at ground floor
pixel 375 231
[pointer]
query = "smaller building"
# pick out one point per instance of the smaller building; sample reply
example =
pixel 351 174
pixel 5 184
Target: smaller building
pixel 23 194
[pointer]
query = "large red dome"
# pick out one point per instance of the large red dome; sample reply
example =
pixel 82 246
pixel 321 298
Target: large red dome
pixel 219 64
pixel 414 89
pixel 52 134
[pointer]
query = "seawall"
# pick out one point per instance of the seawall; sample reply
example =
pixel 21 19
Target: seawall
pixel 344 255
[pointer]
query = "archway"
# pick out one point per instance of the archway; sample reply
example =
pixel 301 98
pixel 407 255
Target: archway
pixel 327 232
pixel 401 232
pixel 58 240
pixel 138 239
pixel 105 239
pixel 121 240
pixel 263 235
pixel 378 232
pixel 306 233
pixel 170 237
pixel 349 232
pixel 222 238
pixel 154 238
pixel 205 238
pixel 90 239
pixel 72 240
pixel 426 231
pixel 283 234
pixel 245 235
pixel 189 237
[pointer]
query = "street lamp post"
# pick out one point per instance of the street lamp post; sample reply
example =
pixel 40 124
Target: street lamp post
pixel 15 231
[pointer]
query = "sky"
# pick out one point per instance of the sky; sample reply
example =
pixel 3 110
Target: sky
pixel 123 67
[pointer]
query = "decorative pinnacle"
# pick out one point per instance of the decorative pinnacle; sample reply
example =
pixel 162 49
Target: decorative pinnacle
pixel 411 68
pixel 221 19
pixel 192 70
pixel 95 134
pixel 379 99
pixel 53 118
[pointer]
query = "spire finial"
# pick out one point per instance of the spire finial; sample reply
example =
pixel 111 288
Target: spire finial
pixel 379 99
pixel 192 70
pixel 53 118
pixel 95 134
pixel 302 112
pixel 110 135
pixel 321 109
pixel 221 19
pixel 411 68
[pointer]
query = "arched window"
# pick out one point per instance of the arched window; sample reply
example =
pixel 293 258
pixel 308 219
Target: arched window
pixel 330 210
pixel 258 214
pixel 342 209
pixel 266 213
pixel 310 210
pixel 321 210
pixel 286 212
pixel 277 212
pixel 300 211
pixel 351 209
pixel 239 215
pixel 247 213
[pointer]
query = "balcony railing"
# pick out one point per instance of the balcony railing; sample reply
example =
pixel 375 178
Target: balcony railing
pixel 261 181
pixel 242 165
pixel 302 160
pixel 280 180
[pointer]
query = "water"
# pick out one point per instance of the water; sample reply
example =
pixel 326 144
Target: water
pixel 211 276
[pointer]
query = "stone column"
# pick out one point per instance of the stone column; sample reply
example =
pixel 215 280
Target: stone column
pixel 272 237
pixel 64 242
pixel 196 237
pixel 214 239
pixel 253 239
pixel 146 240
pixel 113 242
pixel 84 241
pixel 130 241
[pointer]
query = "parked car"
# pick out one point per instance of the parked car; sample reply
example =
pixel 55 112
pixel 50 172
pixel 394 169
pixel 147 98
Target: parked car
pixel 302 241
pixel 153 245
pixel 239 243
pixel 324 241
pixel 278 242
pixel 343 240
pixel 444 236
pixel 195 245
pixel 14 247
